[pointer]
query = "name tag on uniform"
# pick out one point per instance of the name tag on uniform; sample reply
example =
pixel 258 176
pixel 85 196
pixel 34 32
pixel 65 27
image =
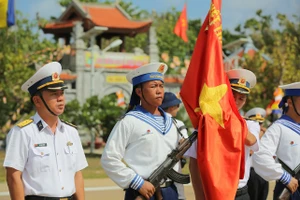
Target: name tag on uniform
pixel 40 145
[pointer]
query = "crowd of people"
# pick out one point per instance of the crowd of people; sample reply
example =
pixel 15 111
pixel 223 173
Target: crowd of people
pixel 47 148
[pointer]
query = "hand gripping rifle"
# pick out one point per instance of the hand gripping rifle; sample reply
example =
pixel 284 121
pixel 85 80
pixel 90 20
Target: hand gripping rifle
pixel 286 193
pixel 165 170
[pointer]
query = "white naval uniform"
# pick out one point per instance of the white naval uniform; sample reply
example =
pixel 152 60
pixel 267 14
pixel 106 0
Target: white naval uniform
pixel 48 161
pixel 254 128
pixel 179 124
pixel 179 186
pixel 137 141
pixel 282 142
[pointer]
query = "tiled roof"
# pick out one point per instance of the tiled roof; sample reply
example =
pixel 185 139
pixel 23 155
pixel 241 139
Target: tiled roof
pixel 112 17
pixel 59 25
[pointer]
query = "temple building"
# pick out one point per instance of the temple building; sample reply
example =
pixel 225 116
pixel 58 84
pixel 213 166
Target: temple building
pixel 93 69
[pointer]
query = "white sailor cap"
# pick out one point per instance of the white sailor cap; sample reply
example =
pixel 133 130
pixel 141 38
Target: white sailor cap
pixel 292 89
pixel 256 114
pixel 241 80
pixel 149 72
pixel 47 77
pixel 145 73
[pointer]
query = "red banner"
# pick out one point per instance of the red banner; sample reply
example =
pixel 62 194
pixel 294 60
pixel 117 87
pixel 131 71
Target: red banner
pixel 208 99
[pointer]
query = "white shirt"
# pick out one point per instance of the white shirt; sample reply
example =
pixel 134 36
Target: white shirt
pixel 282 142
pixel 48 161
pixel 179 186
pixel 140 145
pixel 180 124
pixel 254 128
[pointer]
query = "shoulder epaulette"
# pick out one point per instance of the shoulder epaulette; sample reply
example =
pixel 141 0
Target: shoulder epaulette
pixel 68 123
pixel 25 123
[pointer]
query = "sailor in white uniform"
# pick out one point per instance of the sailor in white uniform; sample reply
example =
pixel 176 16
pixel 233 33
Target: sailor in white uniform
pixel 44 155
pixel 171 105
pixel 282 139
pixel 258 188
pixel 142 138
pixel 241 81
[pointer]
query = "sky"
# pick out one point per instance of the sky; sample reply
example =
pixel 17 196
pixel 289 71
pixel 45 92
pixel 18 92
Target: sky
pixel 234 12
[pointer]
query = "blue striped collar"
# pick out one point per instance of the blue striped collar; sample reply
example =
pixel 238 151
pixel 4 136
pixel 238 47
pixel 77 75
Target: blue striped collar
pixel 141 109
pixel 285 117
pixel 289 122
pixel 142 114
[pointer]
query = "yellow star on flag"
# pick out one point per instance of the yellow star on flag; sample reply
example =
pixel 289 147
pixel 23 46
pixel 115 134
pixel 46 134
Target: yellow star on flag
pixel 209 102
pixel 183 22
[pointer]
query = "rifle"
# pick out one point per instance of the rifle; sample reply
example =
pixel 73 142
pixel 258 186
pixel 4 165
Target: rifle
pixel 165 170
pixel 286 193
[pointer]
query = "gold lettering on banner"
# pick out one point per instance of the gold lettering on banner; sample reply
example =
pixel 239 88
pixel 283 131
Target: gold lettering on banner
pixel 215 20
pixel 116 79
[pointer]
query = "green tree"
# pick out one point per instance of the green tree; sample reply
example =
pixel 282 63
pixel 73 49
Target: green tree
pixel 21 51
pixel 65 3
pixel 281 45
pixel 170 43
pixel 72 112
pixel 98 116
pixel 110 114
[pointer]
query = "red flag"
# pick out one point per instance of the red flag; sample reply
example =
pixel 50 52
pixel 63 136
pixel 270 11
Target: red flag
pixel 181 25
pixel 208 99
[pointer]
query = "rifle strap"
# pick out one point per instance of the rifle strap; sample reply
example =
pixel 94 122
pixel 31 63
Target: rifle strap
pixel 179 129
pixel 289 170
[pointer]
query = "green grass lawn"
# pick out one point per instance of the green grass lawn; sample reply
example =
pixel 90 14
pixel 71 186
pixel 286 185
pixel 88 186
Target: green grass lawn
pixel 94 170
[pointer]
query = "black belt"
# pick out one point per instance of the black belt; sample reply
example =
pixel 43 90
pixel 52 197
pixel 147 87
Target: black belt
pixel 241 191
pixel 34 197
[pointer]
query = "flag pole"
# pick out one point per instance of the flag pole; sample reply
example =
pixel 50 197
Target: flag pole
pixel 187 43
pixel 187 50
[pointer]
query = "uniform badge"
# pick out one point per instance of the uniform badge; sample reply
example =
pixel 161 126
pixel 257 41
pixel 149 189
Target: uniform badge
pixel 147 132
pixel 70 124
pixel 69 143
pixel 161 68
pixel 40 125
pixel 55 76
pixel 40 145
pixel 242 81
pixel 24 123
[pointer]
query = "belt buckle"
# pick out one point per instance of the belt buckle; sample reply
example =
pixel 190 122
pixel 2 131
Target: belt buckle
pixel 166 184
pixel 163 184
pixel 63 199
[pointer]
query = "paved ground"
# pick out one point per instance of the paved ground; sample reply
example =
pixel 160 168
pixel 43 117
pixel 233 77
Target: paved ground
pixel 105 189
